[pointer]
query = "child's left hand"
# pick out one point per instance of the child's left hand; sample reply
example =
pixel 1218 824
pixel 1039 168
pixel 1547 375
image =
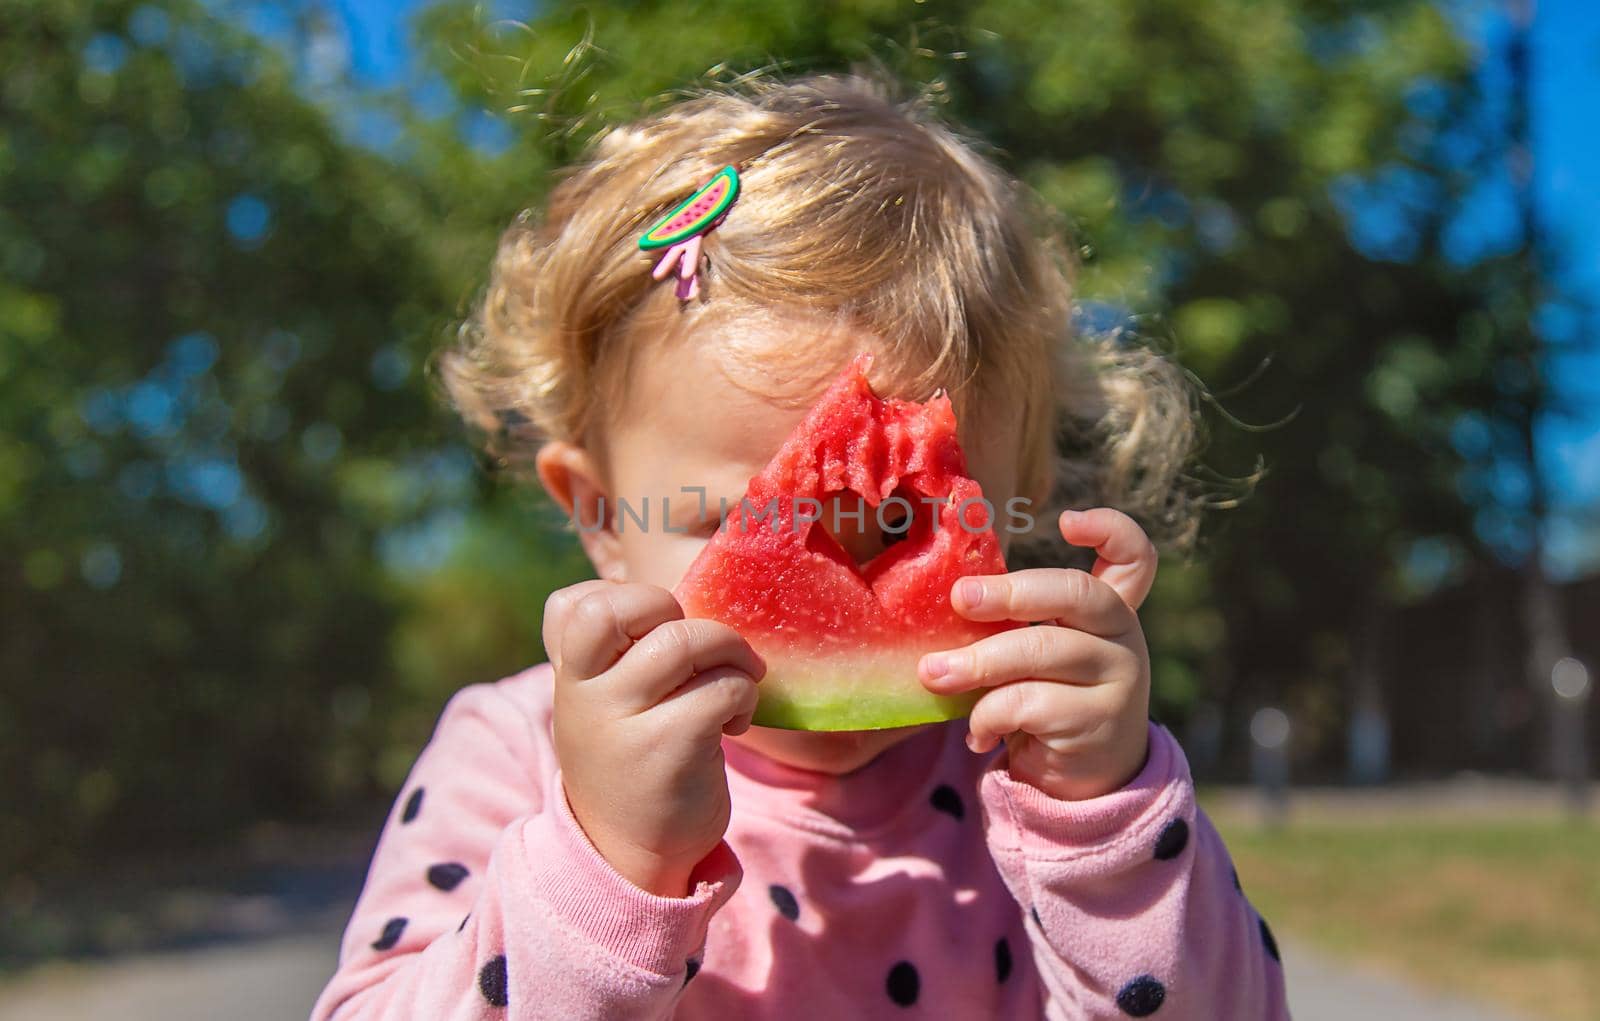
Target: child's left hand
pixel 1069 696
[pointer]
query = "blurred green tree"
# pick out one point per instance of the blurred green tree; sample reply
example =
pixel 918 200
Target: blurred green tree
pixel 213 310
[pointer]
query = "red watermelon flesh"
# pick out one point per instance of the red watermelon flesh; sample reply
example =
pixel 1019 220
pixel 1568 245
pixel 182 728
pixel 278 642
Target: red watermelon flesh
pixel 842 640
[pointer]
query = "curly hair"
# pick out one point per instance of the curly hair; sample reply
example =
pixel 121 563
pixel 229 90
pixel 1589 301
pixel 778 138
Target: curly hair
pixel 859 205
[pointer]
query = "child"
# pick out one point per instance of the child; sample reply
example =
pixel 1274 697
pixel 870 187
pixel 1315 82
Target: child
pixel 606 835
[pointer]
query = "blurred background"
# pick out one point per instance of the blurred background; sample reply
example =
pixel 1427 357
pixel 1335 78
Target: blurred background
pixel 246 554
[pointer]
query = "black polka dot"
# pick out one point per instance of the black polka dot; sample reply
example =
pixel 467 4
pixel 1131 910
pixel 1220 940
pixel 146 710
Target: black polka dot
pixel 492 981
pixel 1142 997
pixel 1034 914
pixel 691 969
pixel 903 984
pixel 1174 838
pixel 784 901
pixel 447 876
pixel 464 919
pixel 946 800
pixel 1002 960
pixel 1266 937
pixel 391 934
pixel 413 806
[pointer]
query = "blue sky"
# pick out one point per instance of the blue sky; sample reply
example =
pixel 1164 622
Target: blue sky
pixel 1565 90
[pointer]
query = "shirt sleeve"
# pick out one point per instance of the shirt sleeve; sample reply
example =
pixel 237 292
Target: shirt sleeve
pixel 485 899
pixel 1134 909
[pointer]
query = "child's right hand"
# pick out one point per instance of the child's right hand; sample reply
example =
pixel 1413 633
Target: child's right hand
pixel 642 699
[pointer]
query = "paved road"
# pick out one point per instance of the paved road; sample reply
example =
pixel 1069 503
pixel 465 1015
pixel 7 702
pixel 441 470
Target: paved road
pixel 277 980
pixel 273 980
pixel 1324 990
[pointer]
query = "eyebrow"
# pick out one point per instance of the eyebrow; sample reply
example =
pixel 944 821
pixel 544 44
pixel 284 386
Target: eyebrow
pixel 694 507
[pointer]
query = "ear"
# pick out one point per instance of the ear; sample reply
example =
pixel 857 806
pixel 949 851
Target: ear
pixel 574 481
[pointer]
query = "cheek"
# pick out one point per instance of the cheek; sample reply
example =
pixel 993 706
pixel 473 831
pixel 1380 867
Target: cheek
pixel 657 557
pixel 993 446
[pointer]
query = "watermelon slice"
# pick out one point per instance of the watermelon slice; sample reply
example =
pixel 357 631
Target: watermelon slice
pixel 698 212
pixel 842 640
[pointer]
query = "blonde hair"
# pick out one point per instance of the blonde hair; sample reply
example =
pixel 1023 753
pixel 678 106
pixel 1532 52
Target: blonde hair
pixel 860 206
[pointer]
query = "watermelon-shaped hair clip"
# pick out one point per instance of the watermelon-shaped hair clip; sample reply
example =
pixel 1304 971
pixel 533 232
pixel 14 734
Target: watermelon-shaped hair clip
pixel 681 230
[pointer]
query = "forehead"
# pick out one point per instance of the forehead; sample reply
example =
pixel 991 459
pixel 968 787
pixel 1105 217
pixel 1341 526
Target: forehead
pixel 711 408
pixel 691 416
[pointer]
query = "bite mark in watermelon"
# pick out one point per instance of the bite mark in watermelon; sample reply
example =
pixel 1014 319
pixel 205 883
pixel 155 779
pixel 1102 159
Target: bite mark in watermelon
pixel 842 640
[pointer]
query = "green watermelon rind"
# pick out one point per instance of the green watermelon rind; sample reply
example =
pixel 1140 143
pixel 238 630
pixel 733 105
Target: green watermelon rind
pixel 860 710
pixel 728 174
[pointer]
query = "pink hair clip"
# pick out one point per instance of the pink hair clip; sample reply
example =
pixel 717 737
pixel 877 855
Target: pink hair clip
pixel 680 231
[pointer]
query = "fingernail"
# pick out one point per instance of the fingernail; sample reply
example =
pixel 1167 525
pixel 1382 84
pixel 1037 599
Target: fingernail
pixel 972 744
pixel 971 592
pixel 935 666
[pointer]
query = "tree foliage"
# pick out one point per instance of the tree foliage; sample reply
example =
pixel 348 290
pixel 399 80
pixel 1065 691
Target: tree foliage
pixel 211 314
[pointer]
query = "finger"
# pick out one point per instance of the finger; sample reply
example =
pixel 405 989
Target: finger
pixel 1125 558
pixel 605 622
pixel 1072 597
pixel 718 701
pixel 1036 653
pixel 1053 713
pixel 558 610
pixel 674 653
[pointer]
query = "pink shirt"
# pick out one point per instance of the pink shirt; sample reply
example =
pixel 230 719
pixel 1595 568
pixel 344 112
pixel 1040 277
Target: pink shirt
pixel 927 884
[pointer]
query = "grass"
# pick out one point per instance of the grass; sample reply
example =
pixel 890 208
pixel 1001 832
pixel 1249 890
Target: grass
pixel 1506 913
